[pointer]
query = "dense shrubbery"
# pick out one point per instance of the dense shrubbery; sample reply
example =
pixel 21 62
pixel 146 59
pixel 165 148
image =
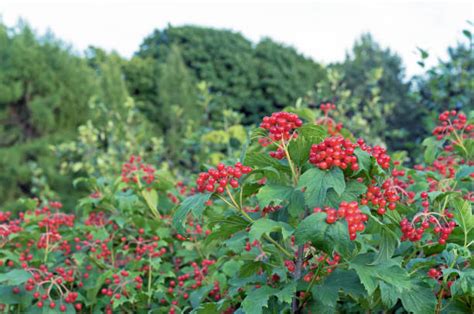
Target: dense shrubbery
pixel 193 85
pixel 294 216
pixel 310 220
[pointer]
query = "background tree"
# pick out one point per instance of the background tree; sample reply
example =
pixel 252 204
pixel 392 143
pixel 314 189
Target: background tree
pixel 141 76
pixel 220 57
pixel 253 80
pixel 372 73
pixel 177 100
pixel 283 76
pixel 112 89
pixel 366 114
pixel 448 85
pixel 44 94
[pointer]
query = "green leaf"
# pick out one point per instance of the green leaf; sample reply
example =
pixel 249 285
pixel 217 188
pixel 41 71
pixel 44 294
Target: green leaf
pixel 324 236
pixel 363 159
pixel 318 182
pixel 464 218
pixel 303 112
pixel 100 234
pixel 8 297
pixel 232 267
pixel 314 134
pixel 15 277
pixel 296 205
pixel 464 284
pixel 370 275
pixel 266 226
pixel 387 245
pixel 258 160
pixel 457 307
pixel 352 192
pixel 227 227
pixel 327 293
pixel 286 294
pixel 467 33
pixel 268 171
pixel 432 147
pixel 424 54
pixel 92 293
pixel 299 150
pixel 419 299
pixel 257 299
pixel 464 172
pixel 198 295
pixel 388 294
pixel 272 193
pixel 250 268
pixel 196 203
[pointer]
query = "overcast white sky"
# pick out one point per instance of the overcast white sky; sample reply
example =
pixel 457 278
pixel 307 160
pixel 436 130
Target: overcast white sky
pixel 323 30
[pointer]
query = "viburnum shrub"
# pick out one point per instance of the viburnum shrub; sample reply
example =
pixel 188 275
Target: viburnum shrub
pixel 310 220
pixel 326 223
pixel 117 252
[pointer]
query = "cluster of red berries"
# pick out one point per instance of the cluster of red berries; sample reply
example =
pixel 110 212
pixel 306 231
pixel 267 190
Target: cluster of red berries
pixel 58 237
pixel 97 219
pixel 350 212
pixel 248 245
pixel 100 248
pixel 441 225
pixel 180 288
pixel 217 180
pixel 332 127
pixel 327 107
pixel 334 152
pixel 434 273
pixel 173 198
pixel 328 266
pixel 379 153
pixel 278 154
pixel 452 121
pixel 8 226
pixel 4 216
pixel 264 211
pixel 194 230
pixel 134 170
pixel 52 222
pixel 43 277
pixel 281 125
pixel 119 284
pixel 147 248
pixel 445 165
pixel 290 265
pixel 437 274
pixel 382 197
pixel 215 292
pixel 181 187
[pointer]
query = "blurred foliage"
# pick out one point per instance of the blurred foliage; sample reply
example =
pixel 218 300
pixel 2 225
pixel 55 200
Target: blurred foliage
pixel 188 97
pixel 448 85
pixel 253 80
pixel 366 114
pixel 38 76
pixel 44 91
pixel 372 91
pixel 100 148
pixel 177 95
